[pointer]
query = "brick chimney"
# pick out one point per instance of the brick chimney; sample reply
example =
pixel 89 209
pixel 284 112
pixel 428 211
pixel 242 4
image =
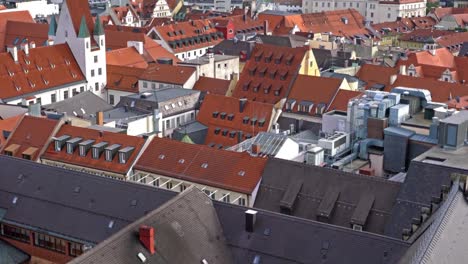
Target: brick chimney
pixel 100 118
pixel 255 149
pixel 146 235
pixel 265 27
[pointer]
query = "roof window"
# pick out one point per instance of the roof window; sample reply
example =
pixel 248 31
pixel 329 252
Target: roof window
pixel 223 115
pixel 230 117
pixel 215 114
pixel 161 156
pixel 232 134
pixel 217 130
pixel 241 173
pixel 204 165
pixel 225 132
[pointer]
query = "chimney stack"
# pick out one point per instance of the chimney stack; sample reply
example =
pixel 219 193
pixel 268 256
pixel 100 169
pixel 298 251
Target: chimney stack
pixel 250 218
pixel 100 118
pixel 393 79
pixel 146 234
pixel 32 45
pixel 256 149
pixel 403 69
pixel 265 27
pixel 242 103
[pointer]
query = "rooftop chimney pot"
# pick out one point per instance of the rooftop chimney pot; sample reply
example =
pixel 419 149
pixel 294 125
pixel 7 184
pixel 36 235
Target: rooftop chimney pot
pixel 250 218
pixel 146 234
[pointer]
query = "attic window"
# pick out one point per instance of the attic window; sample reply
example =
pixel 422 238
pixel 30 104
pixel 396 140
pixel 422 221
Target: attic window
pixel 252 70
pixel 245 86
pixel 261 122
pixel 181 161
pixel 230 117
pixel 204 165
pixel 283 75
pixel 215 114
pixel 289 59
pixel 161 156
pixel 258 56
pixel 278 58
pixel 223 115
pixel 273 74
pixel 267 88
pixel 255 87
pixel 232 134
pixel 261 72
pixel 245 120
pixel 217 130
pixel 253 121
pixel 241 173
pixel 278 90
pixel 268 57
pixel 225 132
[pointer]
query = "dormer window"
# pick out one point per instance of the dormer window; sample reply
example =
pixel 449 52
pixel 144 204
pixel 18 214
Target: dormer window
pixel 124 154
pixel 71 144
pixel 278 90
pixel 245 86
pixel 111 151
pixel 60 142
pixel 268 57
pixel 245 120
pixel 283 75
pixel 215 114
pixel 253 121
pixel 266 88
pixel 84 147
pixel 223 115
pixel 255 87
pixel 230 117
pixel 225 132
pixel 217 130
pixel 252 70
pixel 232 134
pixel 97 149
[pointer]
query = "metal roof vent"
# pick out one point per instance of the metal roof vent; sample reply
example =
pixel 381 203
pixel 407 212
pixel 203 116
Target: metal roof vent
pixel 111 224
pixel 141 257
pixel 15 199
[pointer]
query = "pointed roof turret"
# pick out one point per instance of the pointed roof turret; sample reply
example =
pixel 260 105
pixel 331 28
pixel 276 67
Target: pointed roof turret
pixel 98 28
pixel 52 26
pixel 84 31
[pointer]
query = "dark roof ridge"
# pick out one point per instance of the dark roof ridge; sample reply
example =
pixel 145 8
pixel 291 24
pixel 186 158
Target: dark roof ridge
pixel 308 221
pixel 384 181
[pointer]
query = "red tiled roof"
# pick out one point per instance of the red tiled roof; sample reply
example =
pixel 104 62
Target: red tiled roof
pixel 459 104
pixel 99 136
pixel 118 39
pixel 123 78
pixel 44 68
pixel 423 35
pixel 316 90
pixel 121 12
pixel 190 35
pixel 226 106
pixel 340 102
pixel 126 57
pixel 8 125
pixel 212 85
pixel 453 42
pixel 229 170
pixel 23 16
pixel 31 132
pixel 277 78
pixel 78 9
pixel 440 91
pixel 328 21
pixel 163 73
pixel 249 25
pixel 376 74
pixel 405 25
pixel 442 12
pixel 17 31
pixel 154 51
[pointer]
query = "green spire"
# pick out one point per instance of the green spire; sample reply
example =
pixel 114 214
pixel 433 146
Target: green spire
pixel 84 32
pixel 52 26
pixel 187 139
pixel 98 29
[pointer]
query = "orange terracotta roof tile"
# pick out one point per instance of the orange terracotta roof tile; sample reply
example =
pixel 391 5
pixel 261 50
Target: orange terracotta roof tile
pixel 241 25
pixel 269 73
pixel 224 119
pixel 44 68
pixel 314 90
pixel 441 12
pixel 229 170
pixel 164 73
pixel 123 78
pixel 190 35
pixel 126 57
pixel 2 7
pixel 118 39
pixel 424 35
pixel 440 91
pixel 8 125
pixel 98 136
pixel 23 16
pixel 18 31
pixel 340 102
pixel 30 132
pixel 212 85
pixel 155 51
pixel 376 74
pixel 79 9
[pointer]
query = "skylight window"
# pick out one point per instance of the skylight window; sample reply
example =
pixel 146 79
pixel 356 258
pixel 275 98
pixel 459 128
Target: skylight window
pixel 111 224
pixel 162 156
pixel 15 199
pixel 204 165
pixel 181 161
pixel 241 173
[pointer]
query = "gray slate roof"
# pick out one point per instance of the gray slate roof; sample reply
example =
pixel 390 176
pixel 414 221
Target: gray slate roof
pixel 9 254
pixel 85 101
pixel 282 239
pixel 72 204
pixel 313 192
pixel 7 111
pixel 231 47
pixel 187 230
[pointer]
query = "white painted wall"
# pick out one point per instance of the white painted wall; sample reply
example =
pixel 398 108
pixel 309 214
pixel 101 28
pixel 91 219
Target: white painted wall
pixel 289 150
pixel 46 96
pixel 38 8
